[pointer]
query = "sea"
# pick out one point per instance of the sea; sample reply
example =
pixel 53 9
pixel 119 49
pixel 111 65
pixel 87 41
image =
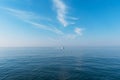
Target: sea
pixel 51 63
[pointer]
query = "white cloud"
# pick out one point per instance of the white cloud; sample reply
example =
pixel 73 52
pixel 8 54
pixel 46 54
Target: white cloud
pixel 61 11
pixel 73 18
pixel 25 14
pixel 78 31
pixel 44 27
pixel 31 17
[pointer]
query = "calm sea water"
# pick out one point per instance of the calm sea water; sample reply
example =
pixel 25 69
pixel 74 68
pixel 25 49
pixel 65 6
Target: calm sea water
pixel 56 64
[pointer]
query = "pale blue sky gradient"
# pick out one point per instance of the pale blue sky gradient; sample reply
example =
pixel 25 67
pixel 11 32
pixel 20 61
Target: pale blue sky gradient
pixel 34 23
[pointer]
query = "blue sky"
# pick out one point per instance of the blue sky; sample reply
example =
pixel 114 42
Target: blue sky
pixel 59 22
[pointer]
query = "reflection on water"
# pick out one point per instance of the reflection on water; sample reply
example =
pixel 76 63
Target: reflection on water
pixel 55 64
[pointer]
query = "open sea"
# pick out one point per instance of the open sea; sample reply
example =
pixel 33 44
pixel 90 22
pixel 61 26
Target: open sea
pixel 56 64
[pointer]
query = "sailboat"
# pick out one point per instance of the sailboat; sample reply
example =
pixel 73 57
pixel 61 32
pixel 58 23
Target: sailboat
pixel 62 48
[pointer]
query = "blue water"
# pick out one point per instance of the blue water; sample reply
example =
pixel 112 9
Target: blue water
pixel 55 64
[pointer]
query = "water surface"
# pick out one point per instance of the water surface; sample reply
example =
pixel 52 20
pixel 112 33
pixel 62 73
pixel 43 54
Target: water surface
pixel 56 64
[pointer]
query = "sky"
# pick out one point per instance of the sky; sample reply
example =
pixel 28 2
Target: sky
pixel 41 23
